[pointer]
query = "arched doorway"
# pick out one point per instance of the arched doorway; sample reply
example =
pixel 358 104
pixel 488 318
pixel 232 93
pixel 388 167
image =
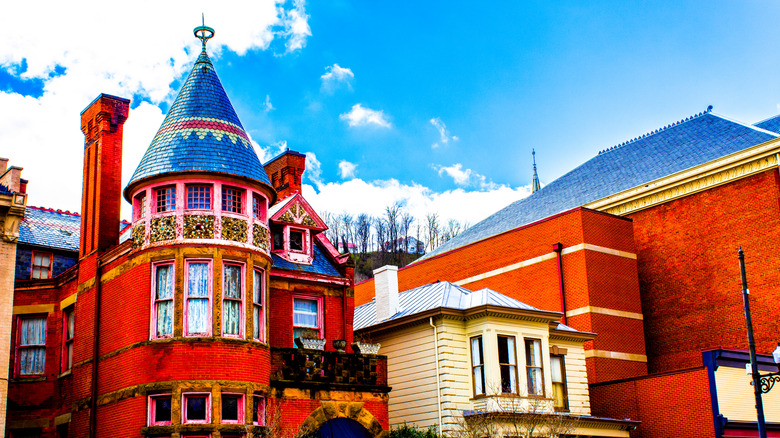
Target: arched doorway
pixel 342 428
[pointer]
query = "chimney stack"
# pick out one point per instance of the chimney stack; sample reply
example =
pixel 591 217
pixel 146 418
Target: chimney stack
pixel 386 291
pixel 285 172
pixel 101 123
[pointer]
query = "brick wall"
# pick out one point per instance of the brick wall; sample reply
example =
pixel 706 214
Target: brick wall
pixel 689 271
pixel 669 405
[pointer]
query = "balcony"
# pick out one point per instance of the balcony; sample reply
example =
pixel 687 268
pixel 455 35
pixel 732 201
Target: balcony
pixel 329 370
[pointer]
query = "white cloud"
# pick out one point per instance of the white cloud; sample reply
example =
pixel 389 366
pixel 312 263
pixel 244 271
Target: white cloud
pixel 444 133
pixel 360 116
pixel 347 169
pixel 358 196
pixel 267 105
pixel 465 177
pixel 266 153
pixel 336 75
pixel 132 62
pixel 314 169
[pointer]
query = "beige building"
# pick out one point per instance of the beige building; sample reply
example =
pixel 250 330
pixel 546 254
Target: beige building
pixel 461 359
pixel 12 204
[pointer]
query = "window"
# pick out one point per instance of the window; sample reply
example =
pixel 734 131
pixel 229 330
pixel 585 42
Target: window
pixel 296 240
pixel 198 294
pixel 558 374
pixel 477 365
pixel 507 362
pixel 258 330
pixel 196 408
pixel 232 408
pixel 166 199
pixel 258 410
pixel 198 197
pixel 41 265
pixel 31 345
pixel 162 312
pixel 306 313
pixel 139 206
pixel 258 207
pixel 231 200
pixel 159 410
pixel 533 366
pixel 232 299
pixel 278 238
pixel 68 328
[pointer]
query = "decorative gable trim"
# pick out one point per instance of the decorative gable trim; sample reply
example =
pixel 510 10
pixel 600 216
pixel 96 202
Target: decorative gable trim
pixel 297 211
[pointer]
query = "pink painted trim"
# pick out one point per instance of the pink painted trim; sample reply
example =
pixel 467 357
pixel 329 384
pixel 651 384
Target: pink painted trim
pixel 260 409
pixel 42 254
pixel 153 312
pixel 150 414
pixel 261 304
pixel 210 305
pixel 243 300
pixel 184 408
pixel 241 402
pixel 320 314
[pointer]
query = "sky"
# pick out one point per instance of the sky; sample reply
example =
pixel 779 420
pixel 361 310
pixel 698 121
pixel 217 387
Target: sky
pixel 435 105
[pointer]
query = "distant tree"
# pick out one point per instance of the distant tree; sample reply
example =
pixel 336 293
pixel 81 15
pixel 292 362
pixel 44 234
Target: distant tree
pixel 381 231
pixel 392 216
pixel 406 222
pixel 362 232
pixel 432 228
pixel 347 229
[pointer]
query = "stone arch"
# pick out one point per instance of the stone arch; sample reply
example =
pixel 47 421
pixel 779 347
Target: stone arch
pixel 329 410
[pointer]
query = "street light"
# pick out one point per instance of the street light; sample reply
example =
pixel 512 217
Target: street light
pixel 769 380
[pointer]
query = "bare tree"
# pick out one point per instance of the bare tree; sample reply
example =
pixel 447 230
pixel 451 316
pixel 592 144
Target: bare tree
pixel 381 231
pixel 432 227
pixel 363 232
pixel 406 222
pixel 347 230
pixel 392 213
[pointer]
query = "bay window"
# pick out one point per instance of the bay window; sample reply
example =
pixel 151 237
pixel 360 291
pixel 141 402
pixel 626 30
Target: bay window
pixel 162 311
pixel 258 329
pixel 477 366
pixel 232 200
pixel 232 408
pixel 159 410
pixel 258 208
pixel 558 376
pixel 196 408
pixel 31 345
pixel 533 366
pixel 198 197
pixel 507 360
pixel 258 410
pixel 232 299
pixel 166 199
pixel 198 297
pixel 306 316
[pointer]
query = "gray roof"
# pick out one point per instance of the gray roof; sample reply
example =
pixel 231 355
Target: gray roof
pixel 437 295
pixel 679 146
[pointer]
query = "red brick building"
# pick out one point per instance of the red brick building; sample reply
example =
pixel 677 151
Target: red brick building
pixel 186 327
pixel 639 245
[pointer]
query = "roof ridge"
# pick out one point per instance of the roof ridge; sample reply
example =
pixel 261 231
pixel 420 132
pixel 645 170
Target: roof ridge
pixel 51 210
pixel 767 119
pixel 747 125
pixel 663 128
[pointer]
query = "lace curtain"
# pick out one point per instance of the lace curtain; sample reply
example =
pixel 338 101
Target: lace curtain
pixel 164 288
pixel 305 313
pixel 533 357
pixel 257 299
pixel 232 303
pixel 476 361
pixel 197 298
pixel 32 346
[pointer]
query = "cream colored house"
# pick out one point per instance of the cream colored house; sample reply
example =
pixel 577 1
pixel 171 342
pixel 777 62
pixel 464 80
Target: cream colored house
pixel 459 358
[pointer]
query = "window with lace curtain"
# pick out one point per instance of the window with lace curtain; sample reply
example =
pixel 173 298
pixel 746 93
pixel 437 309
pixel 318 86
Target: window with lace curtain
pixel 258 326
pixel 306 315
pixel 533 367
pixel 197 294
pixel 162 311
pixel 31 345
pixel 68 329
pixel 232 299
pixel 558 377
pixel 507 361
pixel 477 366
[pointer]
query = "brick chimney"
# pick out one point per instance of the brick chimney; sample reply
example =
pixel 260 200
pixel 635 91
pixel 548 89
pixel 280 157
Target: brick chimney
pixel 101 123
pixel 386 291
pixel 285 172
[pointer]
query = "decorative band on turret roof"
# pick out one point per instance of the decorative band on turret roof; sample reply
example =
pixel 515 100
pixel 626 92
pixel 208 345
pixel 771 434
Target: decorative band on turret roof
pixel 201 132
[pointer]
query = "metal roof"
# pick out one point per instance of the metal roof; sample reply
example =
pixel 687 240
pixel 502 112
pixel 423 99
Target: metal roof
pixel 437 295
pixel 201 133
pixel 679 146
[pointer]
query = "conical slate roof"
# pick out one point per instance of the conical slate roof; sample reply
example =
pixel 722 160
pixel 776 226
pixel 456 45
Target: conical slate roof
pixel 201 133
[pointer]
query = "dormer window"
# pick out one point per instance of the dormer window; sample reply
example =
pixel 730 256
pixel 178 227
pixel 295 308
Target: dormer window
pixel 166 199
pixel 198 197
pixel 232 200
pixel 278 238
pixel 296 241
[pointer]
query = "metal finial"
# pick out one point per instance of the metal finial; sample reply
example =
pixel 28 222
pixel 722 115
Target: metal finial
pixel 203 32
pixel 535 185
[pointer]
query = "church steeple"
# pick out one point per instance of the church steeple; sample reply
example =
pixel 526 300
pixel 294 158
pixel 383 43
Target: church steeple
pixel 535 186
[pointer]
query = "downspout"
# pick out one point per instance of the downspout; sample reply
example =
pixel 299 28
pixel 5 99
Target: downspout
pixel 436 358
pixel 558 248
pixel 95 350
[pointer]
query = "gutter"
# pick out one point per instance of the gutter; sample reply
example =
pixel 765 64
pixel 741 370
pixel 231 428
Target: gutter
pixel 558 248
pixel 436 358
pixel 95 351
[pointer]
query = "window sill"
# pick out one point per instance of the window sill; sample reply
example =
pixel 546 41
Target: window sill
pixel 31 379
pixel 65 373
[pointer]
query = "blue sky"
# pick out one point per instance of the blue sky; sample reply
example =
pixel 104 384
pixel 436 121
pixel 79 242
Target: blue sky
pixel 432 104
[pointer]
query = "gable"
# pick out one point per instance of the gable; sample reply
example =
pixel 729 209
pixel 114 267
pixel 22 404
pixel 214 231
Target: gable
pixel 297 211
